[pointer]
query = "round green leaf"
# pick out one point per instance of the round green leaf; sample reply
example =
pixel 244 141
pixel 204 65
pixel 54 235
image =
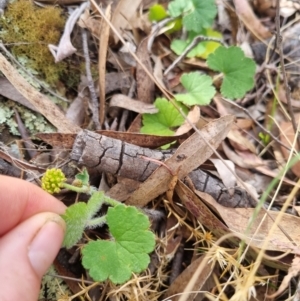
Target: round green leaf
pixel 238 70
pixel 127 253
pixel 199 89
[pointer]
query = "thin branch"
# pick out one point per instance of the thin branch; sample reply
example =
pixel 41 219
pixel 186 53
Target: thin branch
pixel 94 99
pixel 194 43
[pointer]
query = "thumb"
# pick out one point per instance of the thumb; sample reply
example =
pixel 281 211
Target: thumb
pixel 26 252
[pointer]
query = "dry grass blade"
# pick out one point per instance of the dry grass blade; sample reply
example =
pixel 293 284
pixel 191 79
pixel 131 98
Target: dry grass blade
pixel 103 46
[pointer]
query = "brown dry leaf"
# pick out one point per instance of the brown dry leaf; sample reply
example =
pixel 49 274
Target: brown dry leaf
pixel 9 91
pixel 125 102
pixel 201 212
pixel 273 174
pixel 19 163
pixel 58 139
pixel 194 151
pixel 239 142
pixel 158 70
pixel 145 85
pixel 237 220
pixel 123 13
pixel 103 46
pixel 89 22
pixel 76 110
pixel 42 104
pixel 244 124
pixel 192 117
pixel 204 282
pixel 174 237
pixel 143 140
pixel 287 136
pixel 171 187
pixel 244 159
pixel 150 141
pixel 141 21
pixel 246 14
pixel 123 189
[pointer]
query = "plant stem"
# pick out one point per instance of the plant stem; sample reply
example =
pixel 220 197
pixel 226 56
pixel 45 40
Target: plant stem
pixel 83 189
pixel 110 201
pixel 96 222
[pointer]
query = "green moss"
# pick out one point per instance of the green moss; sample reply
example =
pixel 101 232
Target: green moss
pixel 29 29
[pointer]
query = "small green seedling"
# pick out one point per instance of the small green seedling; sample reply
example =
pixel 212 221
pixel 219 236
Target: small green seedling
pixel 163 122
pixel 232 66
pixel 132 241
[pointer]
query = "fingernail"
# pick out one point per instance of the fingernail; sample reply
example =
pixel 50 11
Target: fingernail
pixel 45 245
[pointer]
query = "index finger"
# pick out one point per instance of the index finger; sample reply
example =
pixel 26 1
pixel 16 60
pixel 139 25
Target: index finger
pixel 20 199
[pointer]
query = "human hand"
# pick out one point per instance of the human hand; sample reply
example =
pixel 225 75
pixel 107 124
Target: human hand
pixel 31 234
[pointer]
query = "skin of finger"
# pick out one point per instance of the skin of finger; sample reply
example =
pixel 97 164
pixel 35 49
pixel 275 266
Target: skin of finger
pixel 20 199
pixel 18 280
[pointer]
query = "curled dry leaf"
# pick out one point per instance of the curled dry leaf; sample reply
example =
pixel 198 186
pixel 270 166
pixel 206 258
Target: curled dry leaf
pixel 192 119
pixel 125 102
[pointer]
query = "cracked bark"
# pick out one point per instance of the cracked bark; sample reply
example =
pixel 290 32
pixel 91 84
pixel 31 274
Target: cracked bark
pixel 105 154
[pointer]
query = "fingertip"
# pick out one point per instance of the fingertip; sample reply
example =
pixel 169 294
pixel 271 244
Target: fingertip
pixel 46 244
pixel 22 200
pixel 26 252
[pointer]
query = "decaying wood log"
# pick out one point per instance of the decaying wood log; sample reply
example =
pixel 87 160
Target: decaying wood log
pixel 106 154
pixel 206 182
pixel 115 156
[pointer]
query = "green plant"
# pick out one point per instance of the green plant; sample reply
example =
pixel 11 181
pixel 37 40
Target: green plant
pixel 234 68
pixel 163 122
pixel 132 241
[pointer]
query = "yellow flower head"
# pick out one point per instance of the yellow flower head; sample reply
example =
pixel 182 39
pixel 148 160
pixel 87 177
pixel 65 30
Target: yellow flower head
pixel 53 180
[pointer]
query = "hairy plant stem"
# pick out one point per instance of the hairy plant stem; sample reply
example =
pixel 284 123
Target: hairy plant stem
pixel 83 189
pixel 96 222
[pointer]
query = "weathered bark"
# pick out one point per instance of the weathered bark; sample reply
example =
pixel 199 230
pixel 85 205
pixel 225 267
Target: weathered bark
pixel 115 156
pixel 206 182
pixel 106 154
